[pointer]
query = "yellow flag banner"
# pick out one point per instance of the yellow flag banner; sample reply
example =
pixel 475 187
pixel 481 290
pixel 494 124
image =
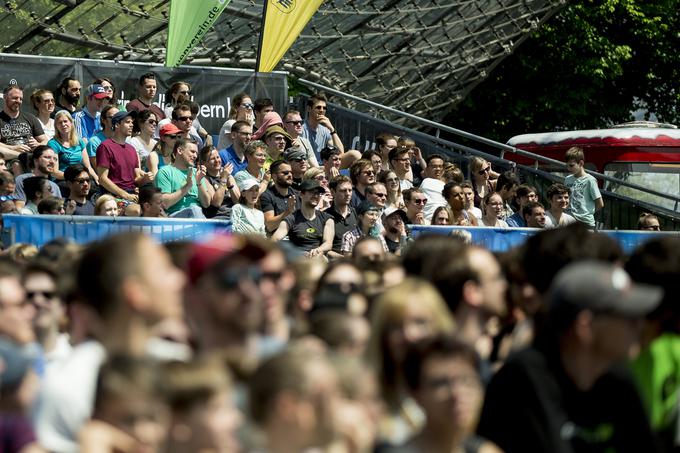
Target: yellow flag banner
pixel 189 21
pixel 283 23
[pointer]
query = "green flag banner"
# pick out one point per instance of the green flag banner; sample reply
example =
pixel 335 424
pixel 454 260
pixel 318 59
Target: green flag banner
pixel 190 20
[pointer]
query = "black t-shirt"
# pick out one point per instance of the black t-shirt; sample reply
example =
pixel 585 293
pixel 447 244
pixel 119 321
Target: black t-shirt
pixel 392 246
pixel 272 200
pixel 86 208
pixel 17 131
pixel 357 198
pixel 306 234
pixel 342 225
pixel 532 406
pixel 224 210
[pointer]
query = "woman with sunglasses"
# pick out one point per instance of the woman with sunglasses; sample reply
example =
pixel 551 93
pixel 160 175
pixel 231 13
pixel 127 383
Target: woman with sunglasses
pixel 43 103
pixel 483 180
pixel 241 110
pixel 391 182
pixel 111 90
pixel 161 154
pixel 142 136
pixel 178 93
pixel 70 148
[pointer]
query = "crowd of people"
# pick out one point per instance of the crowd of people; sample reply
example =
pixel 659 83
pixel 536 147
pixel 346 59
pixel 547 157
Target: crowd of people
pixel 320 323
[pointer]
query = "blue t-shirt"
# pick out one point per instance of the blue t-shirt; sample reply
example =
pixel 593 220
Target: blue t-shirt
pixel 228 155
pixel 94 143
pixel 67 156
pixel 86 125
pixel 516 220
pixel 319 138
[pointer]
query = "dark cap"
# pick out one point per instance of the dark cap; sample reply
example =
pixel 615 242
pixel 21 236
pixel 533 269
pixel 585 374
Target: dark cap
pixel 366 206
pixel 294 153
pixel 120 116
pixel 601 288
pixel 309 185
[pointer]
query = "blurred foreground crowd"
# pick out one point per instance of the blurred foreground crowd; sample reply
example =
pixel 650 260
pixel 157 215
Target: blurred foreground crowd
pixel 239 343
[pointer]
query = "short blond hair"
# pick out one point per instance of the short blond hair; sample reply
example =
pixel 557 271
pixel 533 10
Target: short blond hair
pixel 574 154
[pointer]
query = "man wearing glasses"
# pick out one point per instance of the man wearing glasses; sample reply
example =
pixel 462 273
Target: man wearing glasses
pixel 415 203
pixel 87 120
pixel 184 119
pixel 362 175
pixel 292 123
pixel 241 134
pixel 79 184
pixel 318 129
pixel 401 164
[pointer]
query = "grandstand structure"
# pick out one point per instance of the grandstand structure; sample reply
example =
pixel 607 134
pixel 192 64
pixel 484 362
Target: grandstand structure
pixel 420 56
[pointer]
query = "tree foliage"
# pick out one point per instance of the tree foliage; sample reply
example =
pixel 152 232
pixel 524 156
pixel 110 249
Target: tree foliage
pixel 590 66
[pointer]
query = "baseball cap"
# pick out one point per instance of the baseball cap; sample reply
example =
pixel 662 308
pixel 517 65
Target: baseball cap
pixel 366 206
pixel 169 129
pixel 601 288
pixel 247 184
pixel 309 185
pixel 120 116
pixel 294 154
pixel 97 91
pixel 14 364
pixel 392 210
pixel 214 254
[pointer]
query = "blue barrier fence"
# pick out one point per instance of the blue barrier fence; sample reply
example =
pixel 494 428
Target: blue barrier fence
pixel 41 229
pixel 502 239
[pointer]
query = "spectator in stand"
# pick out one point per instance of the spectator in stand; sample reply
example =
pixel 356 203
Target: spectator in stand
pixel 376 194
pixel 43 103
pixel 280 199
pixel 161 155
pixel 241 133
pixel 524 194
pixel 332 160
pixel 506 186
pixel 117 161
pixel 385 143
pixel 308 228
pixel 344 216
pixel 3 165
pixel 226 193
pixel 569 380
pixel 69 95
pixel 648 222
pixel 362 175
pixel 442 216
pixel 146 92
pixel 292 123
pixel 432 183
pixel 318 174
pixel 52 206
pixel 585 197
pixel 196 127
pixel 483 179
pixel 261 108
pixel 453 173
pixel 415 202
pixel 142 137
pixel 400 162
pixel 106 132
pixel 374 157
pixel 367 217
pixel 298 165
pixel 241 110
pixel 394 196
pixel 180 93
pixel 418 164
pixel 87 120
pixel 36 189
pixel 443 375
pixel 492 206
pixel 277 140
pixel 319 130
pixel 245 217
pixel 558 195
pixel 453 194
pixel 256 155
pixel 44 164
pixel 20 132
pixel 7 184
pixel 110 88
pixel 185 190
pixel 394 222
pixel 183 118
pixel 16 314
pixel 270 119
pixel 402 316
pixel 69 146
pixel 534 215
pixel 78 181
pixel 151 202
pixel 19 385
pixel 106 205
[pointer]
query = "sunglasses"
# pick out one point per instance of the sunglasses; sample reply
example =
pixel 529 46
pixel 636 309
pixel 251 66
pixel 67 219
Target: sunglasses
pixel 320 107
pixel 150 121
pixel 185 92
pixel 484 170
pixel 295 123
pixel 82 181
pixel 285 172
pixel 45 294
pixel 420 200
pixel 368 173
pixel 248 106
pixel 185 118
pixel 381 195
pixel 171 136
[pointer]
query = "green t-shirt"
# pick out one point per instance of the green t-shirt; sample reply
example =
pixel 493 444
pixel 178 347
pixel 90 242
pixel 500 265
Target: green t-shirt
pixel 657 372
pixel 170 179
pixel 584 192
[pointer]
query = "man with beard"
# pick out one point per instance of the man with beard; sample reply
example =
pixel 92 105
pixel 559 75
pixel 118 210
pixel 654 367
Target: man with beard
pixel 280 199
pixel 344 216
pixel 68 93
pixel 394 223
pixel 185 189
pixel 308 228
pixel 241 134
pixel 44 164
pixel 19 132
pixel 78 180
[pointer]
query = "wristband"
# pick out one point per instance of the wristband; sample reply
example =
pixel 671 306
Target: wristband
pixel 333 132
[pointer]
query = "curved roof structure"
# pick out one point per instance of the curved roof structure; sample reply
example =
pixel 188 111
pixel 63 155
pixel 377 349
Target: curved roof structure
pixel 419 56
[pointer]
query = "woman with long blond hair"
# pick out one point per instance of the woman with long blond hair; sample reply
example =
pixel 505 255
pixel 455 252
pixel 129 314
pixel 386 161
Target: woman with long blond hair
pixel 68 146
